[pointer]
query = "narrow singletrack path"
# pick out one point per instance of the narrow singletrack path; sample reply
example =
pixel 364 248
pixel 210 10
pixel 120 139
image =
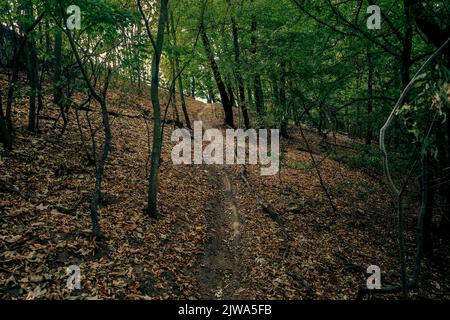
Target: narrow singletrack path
pixel 221 271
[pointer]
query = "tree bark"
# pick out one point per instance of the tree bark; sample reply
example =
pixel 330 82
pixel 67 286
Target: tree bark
pixel 283 102
pixel 369 133
pixel 259 96
pixel 101 99
pixel 153 179
pixel 227 106
pixel 192 87
pixel 58 95
pixel 180 76
pixel 5 137
pixel 241 88
pixel 407 45
pixel 32 70
pixel 18 49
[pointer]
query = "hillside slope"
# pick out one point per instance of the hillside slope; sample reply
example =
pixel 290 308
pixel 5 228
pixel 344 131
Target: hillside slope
pixel 213 239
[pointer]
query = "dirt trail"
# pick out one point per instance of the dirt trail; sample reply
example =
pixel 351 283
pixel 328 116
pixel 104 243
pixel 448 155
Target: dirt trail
pixel 222 269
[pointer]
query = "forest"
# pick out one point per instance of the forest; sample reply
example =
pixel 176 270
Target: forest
pixel 224 150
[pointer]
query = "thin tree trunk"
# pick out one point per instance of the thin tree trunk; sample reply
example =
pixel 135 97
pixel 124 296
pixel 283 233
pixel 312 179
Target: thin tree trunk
pixel 227 104
pixel 173 93
pixel 249 96
pixel 5 137
pixel 102 164
pixel 407 45
pixel 180 77
pixel 32 70
pixel 369 133
pixel 101 99
pixel 231 94
pixel 15 73
pixel 241 88
pixel 47 38
pixel 283 102
pixel 428 192
pixel 444 225
pixel 259 96
pixel 34 84
pixel 275 91
pixel 58 96
pixel 153 180
pixel 211 95
pixel 193 87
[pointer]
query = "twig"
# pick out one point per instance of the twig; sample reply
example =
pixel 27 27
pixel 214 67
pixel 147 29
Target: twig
pixel 322 183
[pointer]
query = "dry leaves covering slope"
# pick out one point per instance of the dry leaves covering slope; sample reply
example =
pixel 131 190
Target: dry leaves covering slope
pixel 44 218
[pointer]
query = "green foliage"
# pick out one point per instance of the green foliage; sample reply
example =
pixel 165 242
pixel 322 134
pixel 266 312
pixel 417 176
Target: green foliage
pixel 428 111
pixel 363 157
pixel 312 58
pixel 302 165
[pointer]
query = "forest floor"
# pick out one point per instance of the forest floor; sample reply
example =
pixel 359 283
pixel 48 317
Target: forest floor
pixel 213 239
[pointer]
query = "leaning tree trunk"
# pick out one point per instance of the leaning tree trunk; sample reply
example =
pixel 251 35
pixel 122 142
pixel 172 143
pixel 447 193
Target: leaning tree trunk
pixel 226 102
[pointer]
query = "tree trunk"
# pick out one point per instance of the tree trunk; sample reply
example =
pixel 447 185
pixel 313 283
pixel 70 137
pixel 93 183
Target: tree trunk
pixel 283 103
pixel 275 91
pixel 101 169
pixel 32 70
pixel 47 38
pixel 249 96
pixel 407 45
pixel 193 87
pixel 227 106
pixel 101 99
pixel 153 180
pixel 231 94
pixel 259 96
pixel 211 95
pixel 5 137
pixel 173 93
pixel 58 96
pixel 369 133
pixel 438 34
pixel 428 193
pixel 180 77
pixel 241 88
pixel 444 225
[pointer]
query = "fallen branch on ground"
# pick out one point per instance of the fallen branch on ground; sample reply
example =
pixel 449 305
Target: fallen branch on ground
pixel 275 216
